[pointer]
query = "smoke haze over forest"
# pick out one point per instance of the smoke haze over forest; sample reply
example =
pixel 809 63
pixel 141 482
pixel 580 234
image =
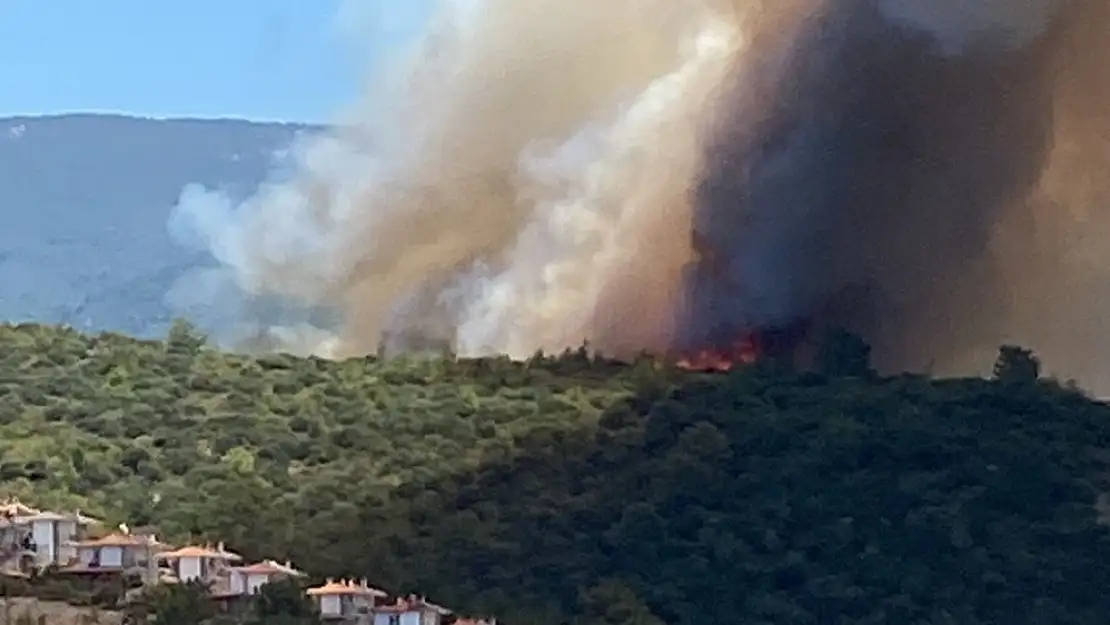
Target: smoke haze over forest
pixel 649 174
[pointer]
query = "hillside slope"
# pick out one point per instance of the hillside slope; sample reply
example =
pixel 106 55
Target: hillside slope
pixel 86 200
pixel 572 490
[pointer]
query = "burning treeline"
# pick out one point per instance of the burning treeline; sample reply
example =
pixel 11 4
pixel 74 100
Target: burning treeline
pixel 679 175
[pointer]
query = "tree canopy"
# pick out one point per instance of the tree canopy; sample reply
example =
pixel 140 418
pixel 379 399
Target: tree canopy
pixel 577 489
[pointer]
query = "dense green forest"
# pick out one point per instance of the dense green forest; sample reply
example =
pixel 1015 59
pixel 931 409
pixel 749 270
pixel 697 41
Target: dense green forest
pixel 576 489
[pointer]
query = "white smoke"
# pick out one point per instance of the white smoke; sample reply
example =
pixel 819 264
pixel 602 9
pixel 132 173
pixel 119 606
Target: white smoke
pixel 513 162
pixel 524 176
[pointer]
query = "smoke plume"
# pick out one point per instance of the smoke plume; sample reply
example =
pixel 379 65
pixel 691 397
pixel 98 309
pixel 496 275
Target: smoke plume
pixel 662 174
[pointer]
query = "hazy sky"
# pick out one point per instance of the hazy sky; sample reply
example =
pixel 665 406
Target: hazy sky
pixel 260 59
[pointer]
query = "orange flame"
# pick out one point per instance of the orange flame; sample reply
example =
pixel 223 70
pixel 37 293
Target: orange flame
pixel 744 351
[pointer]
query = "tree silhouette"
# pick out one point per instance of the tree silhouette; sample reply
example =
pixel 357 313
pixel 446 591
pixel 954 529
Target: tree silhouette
pixel 283 601
pixel 184 337
pixel 611 602
pixel 843 354
pixel 1016 365
pixel 173 604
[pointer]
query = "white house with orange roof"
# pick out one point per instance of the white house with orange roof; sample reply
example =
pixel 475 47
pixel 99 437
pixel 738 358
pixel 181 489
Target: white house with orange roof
pixel 195 562
pixel 411 610
pixel 246 580
pixel 53 535
pixel 116 552
pixel 346 599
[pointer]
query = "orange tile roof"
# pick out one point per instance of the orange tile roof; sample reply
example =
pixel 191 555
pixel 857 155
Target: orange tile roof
pixel 81 567
pixel 119 539
pixel 85 567
pixel 268 567
pixel 56 516
pixel 346 587
pixel 195 551
pixel 412 604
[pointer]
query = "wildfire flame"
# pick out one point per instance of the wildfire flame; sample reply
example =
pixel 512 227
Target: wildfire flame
pixel 744 351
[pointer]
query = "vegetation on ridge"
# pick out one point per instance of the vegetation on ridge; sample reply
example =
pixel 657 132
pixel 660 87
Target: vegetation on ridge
pixel 578 490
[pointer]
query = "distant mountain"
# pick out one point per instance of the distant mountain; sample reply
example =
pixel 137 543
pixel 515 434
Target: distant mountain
pixel 84 203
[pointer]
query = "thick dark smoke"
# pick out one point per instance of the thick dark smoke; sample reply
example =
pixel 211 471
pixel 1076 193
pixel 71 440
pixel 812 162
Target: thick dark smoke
pixel 653 174
pixel 895 182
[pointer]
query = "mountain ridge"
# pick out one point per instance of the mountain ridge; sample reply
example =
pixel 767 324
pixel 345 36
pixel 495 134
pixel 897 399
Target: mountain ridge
pixel 87 198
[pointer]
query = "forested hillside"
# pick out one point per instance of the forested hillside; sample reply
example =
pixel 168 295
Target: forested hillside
pixel 579 490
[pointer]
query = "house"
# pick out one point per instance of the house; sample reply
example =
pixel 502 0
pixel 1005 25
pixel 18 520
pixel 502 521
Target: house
pixel 16 544
pixel 246 580
pixel 16 548
pixel 411 610
pixel 32 538
pixel 117 552
pixel 53 535
pixel 345 599
pixel 207 564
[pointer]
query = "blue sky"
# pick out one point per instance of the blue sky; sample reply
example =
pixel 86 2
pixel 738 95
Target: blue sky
pixel 296 60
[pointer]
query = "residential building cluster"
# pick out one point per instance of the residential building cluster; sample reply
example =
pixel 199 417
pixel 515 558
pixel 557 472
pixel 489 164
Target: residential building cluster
pixel 71 544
